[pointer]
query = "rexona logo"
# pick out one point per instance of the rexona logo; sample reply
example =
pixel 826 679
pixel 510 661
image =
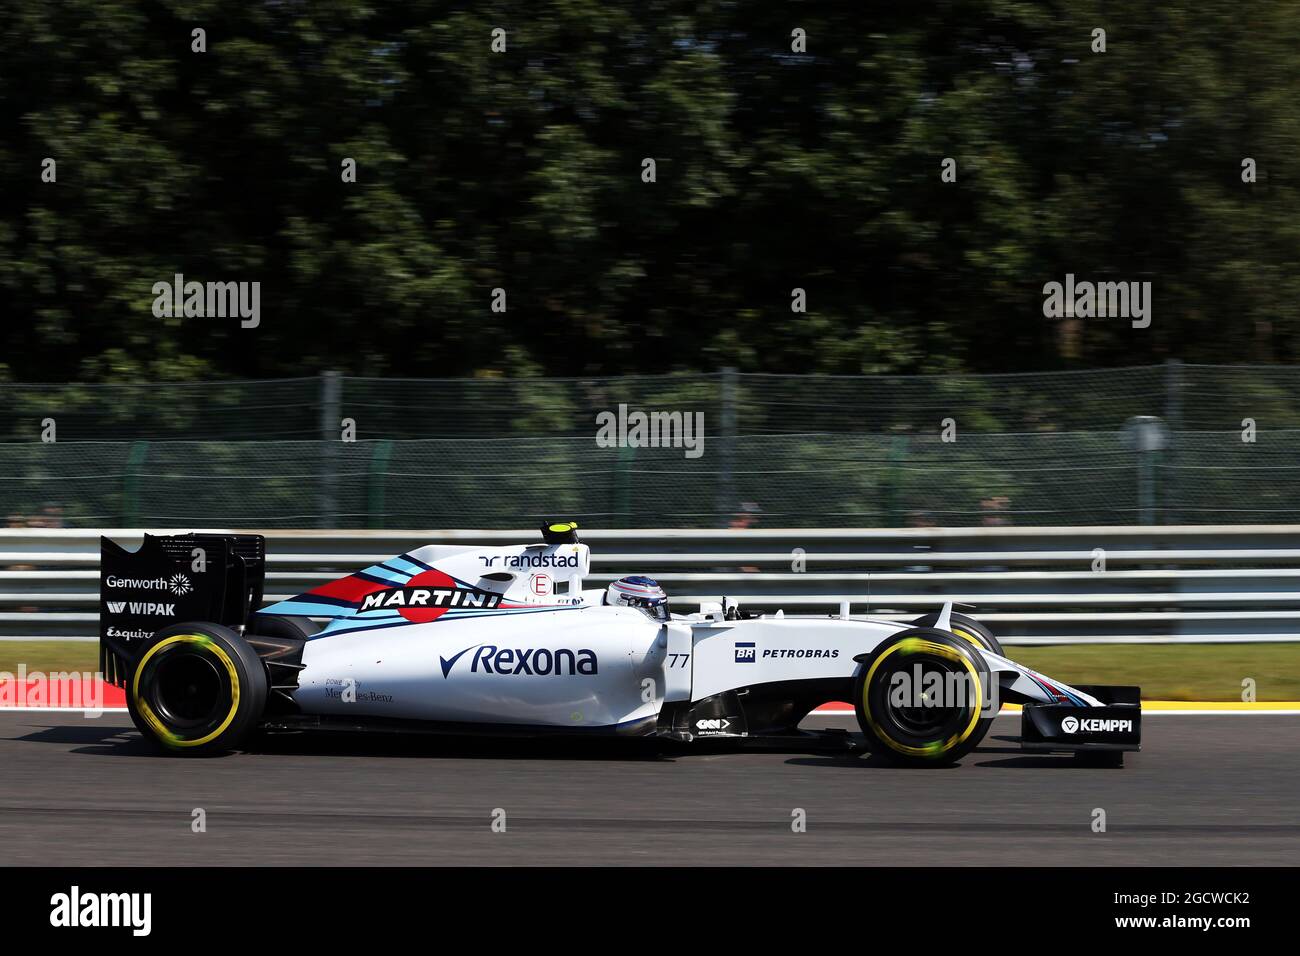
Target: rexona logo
pixel 1086 725
pixel 146 608
pixel 516 661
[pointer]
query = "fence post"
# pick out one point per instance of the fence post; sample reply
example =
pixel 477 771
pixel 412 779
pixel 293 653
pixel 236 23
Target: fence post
pixel 1146 486
pixel 1174 421
pixel 330 422
pixel 378 502
pixel 131 483
pixel 1148 437
pixel 623 486
pixel 892 492
pixel 726 501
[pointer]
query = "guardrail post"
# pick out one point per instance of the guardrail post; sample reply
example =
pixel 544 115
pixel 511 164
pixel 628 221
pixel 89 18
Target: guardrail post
pixel 131 483
pixel 726 491
pixel 330 423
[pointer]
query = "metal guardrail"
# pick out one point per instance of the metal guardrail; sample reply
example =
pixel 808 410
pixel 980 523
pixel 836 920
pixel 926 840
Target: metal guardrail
pixel 1191 584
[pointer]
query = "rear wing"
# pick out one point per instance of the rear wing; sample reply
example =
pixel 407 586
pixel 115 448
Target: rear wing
pixel 186 577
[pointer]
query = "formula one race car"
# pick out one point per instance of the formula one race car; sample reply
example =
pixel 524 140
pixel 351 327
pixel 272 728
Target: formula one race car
pixel 505 640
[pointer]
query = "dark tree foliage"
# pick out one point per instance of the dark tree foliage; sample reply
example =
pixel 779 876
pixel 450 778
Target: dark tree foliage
pixel 522 170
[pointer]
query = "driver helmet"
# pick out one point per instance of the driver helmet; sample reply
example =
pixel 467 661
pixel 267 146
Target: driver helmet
pixel 642 593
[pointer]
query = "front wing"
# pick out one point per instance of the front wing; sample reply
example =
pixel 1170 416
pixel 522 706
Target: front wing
pixel 1113 724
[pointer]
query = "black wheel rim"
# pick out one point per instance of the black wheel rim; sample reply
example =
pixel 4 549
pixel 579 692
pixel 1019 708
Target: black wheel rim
pixel 188 690
pixel 925 721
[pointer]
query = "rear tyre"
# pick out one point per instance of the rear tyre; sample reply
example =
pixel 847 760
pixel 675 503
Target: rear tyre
pixel 272 625
pixel 967 628
pixel 198 689
pixel 921 698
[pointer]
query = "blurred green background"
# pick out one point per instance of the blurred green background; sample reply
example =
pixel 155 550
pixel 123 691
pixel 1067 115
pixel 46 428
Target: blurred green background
pixel 522 170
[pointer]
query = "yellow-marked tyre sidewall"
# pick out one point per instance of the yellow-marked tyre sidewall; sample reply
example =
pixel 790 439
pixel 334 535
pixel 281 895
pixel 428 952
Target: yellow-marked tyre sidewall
pixel 967 628
pixel 240 701
pixel 157 726
pixel 951 742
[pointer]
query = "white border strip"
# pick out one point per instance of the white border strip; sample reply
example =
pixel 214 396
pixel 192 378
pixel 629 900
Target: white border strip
pixel 62 710
pixel 815 713
pixel 1145 713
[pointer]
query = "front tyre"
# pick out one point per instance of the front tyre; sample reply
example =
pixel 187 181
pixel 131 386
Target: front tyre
pixel 922 698
pixel 965 627
pixel 197 689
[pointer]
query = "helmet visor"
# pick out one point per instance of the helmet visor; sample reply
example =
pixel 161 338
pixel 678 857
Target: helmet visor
pixel 655 608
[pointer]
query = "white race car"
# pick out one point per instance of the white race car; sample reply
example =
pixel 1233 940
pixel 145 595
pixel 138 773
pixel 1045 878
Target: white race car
pixel 505 640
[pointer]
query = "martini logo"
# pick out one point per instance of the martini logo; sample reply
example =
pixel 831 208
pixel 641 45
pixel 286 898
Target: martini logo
pixel 428 596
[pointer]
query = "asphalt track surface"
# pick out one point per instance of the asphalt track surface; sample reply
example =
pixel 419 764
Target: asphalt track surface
pixel 1205 790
